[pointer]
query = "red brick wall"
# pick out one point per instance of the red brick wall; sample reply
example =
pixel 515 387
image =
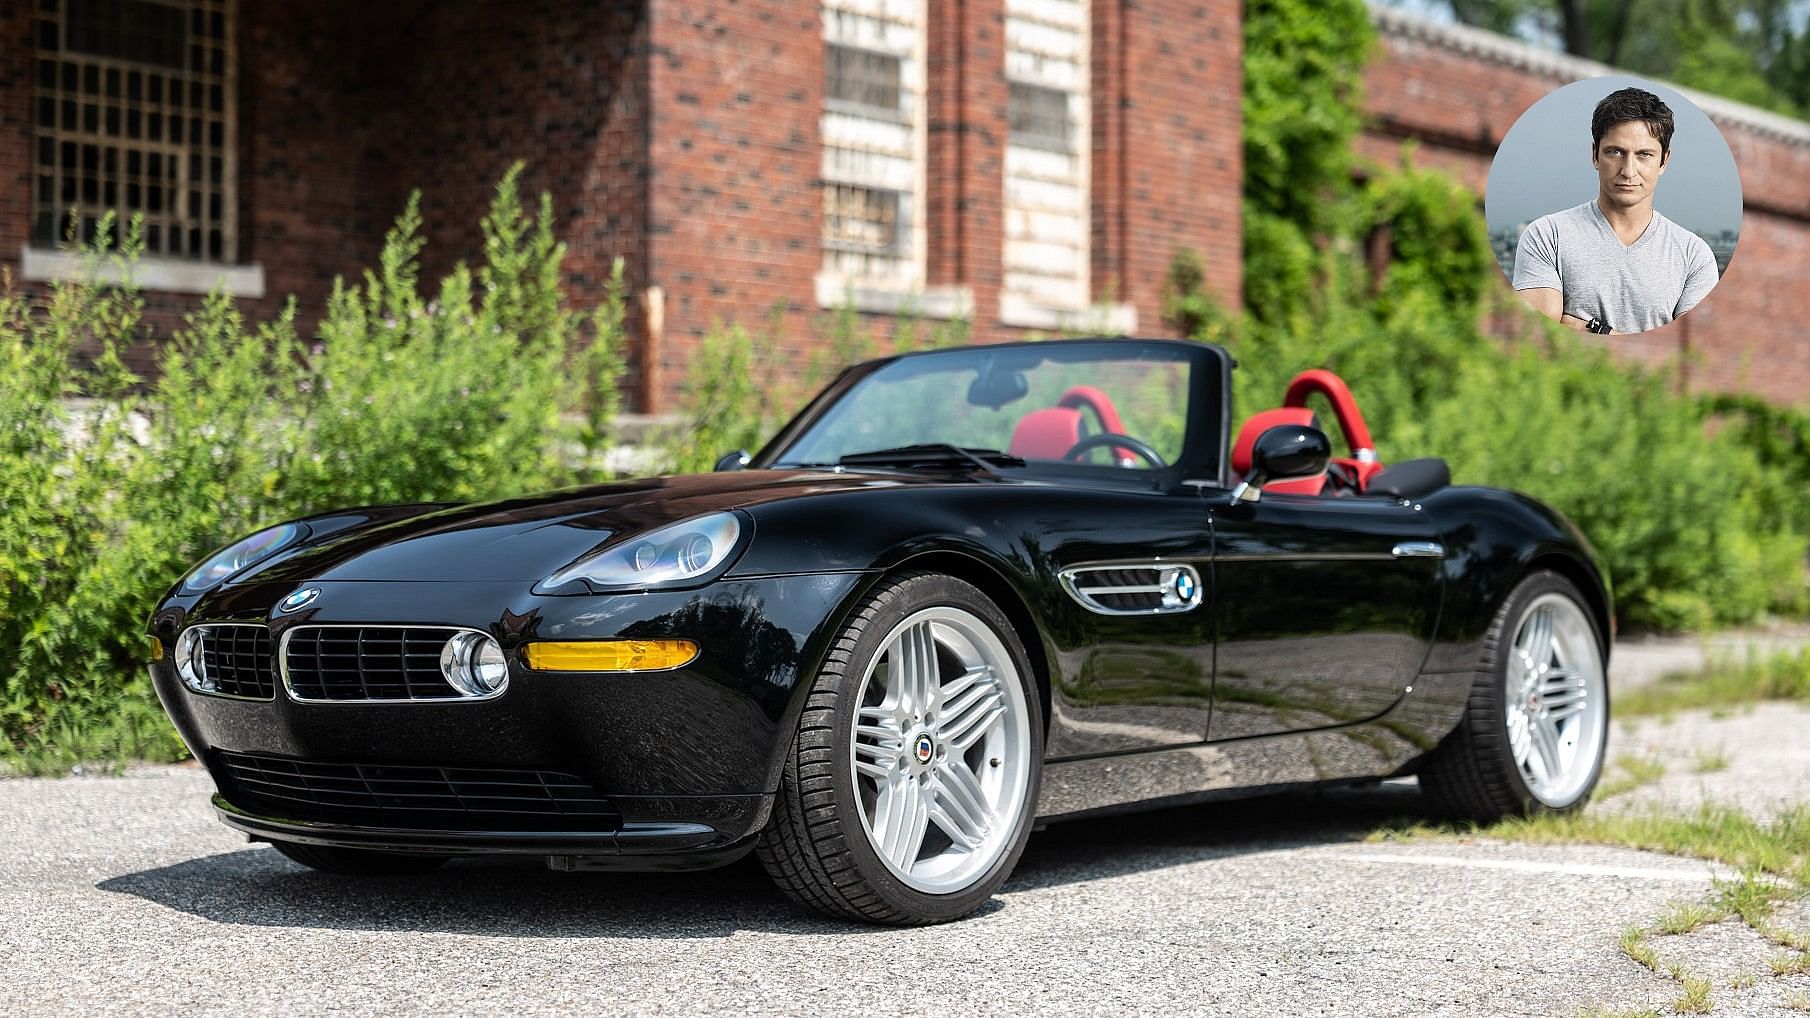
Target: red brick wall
pixel 735 93
pixel 1168 148
pixel 15 131
pixel 683 136
pixel 1748 334
pixel 469 89
pixel 307 150
pixel 967 151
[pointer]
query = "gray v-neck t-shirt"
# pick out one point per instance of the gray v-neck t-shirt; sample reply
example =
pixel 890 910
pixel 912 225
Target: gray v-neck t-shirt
pixel 1634 287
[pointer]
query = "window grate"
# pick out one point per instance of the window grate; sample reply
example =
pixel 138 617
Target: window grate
pixel 863 77
pixel 863 219
pixel 1038 115
pixel 133 114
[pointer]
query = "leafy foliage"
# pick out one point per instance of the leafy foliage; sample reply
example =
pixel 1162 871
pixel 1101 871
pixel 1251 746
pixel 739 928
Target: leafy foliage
pixel 478 391
pixel 1753 51
pixel 1697 527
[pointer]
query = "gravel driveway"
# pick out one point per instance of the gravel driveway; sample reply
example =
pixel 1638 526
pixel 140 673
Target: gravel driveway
pixel 124 895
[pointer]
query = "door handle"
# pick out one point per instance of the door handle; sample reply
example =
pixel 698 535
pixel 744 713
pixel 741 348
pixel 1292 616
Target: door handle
pixel 1419 549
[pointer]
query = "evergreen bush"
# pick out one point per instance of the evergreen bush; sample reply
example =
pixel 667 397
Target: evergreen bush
pixel 476 389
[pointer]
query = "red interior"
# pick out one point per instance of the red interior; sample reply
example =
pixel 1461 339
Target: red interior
pixel 1048 433
pixel 1262 422
pixel 1360 466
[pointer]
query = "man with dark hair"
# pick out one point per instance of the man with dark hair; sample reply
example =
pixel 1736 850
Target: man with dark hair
pixel 1614 264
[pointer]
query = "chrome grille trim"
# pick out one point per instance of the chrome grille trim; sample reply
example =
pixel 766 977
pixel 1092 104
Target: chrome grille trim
pixel 407 672
pixel 259 673
pixel 1147 587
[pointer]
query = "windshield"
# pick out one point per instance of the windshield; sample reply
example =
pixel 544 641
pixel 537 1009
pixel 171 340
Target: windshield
pixel 1043 403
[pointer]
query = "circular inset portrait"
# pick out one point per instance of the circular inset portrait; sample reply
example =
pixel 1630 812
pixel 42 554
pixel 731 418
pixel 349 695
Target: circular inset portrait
pixel 1613 205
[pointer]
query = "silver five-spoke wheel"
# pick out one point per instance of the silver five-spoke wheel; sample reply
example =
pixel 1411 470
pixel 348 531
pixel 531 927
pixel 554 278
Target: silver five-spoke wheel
pixel 912 780
pixel 1535 726
pixel 1556 709
pixel 941 749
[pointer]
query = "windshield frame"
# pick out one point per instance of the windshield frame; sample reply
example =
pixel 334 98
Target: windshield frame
pixel 1206 430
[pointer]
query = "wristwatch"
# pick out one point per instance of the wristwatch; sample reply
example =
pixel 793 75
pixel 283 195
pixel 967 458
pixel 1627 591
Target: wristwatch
pixel 1598 326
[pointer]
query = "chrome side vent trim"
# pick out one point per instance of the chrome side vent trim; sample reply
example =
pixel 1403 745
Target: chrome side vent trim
pixel 1134 588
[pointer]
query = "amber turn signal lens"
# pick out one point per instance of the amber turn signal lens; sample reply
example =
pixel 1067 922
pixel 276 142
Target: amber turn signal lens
pixel 156 649
pixel 611 655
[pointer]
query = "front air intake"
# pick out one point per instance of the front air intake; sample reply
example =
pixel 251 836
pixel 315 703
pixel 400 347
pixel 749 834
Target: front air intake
pixel 413 798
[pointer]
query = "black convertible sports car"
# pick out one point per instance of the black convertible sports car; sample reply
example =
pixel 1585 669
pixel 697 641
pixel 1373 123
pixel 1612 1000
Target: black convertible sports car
pixel 962 592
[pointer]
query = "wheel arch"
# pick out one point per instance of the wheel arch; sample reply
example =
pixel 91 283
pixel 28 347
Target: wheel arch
pixel 1587 582
pixel 993 583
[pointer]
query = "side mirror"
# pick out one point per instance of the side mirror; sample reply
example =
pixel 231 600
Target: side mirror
pixel 733 460
pixel 1283 453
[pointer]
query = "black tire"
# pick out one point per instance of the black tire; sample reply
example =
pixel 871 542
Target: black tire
pixel 361 862
pixel 815 846
pixel 1472 774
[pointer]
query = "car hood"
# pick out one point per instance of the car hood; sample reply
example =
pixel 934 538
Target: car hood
pixel 527 539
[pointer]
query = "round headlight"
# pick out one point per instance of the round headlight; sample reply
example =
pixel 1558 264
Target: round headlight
pixel 473 664
pixel 695 552
pixel 645 556
pixel 189 663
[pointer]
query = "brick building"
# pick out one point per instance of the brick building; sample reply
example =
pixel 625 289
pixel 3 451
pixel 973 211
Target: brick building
pixel 1028 165
pixel 1457 91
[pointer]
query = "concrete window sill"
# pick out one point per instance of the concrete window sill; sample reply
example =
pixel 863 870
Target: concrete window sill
pixel 161 274
pixel 941 302
pixel 1104 319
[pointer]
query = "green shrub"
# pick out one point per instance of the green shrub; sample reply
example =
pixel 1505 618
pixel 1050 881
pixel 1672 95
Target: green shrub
pixel 739 388
pixel 479 391
pixel 1699 525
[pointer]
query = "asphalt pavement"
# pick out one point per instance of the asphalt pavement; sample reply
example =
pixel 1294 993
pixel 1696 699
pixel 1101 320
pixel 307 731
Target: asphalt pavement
pixel 123 895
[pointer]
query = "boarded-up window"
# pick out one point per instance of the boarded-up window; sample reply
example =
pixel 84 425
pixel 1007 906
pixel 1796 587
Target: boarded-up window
pixel 873 131
pixel 133 114
pixel 862 219
pixel 1047 152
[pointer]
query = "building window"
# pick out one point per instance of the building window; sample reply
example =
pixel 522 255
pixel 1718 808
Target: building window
pixel 862 78
pixel 1038 115
pixel 134 114
pixel 863 219
pixel 873 146
pixel 1047 156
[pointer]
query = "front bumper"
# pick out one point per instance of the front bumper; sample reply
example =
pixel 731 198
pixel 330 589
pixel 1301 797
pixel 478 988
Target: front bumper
pixel 635 845
pixel 688 758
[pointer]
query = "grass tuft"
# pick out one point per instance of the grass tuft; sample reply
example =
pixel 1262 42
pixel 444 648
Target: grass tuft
pixel 1798 1001
pixel 1724 684
pixel 1688 917
pixel 1709 761
pixel 1634 945
pixel 1696 992
pixel 1635 771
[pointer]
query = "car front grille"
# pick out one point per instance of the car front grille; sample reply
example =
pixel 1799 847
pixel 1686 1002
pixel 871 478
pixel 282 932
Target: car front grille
pixel 417 798
pixel 237 660
pixel 367 663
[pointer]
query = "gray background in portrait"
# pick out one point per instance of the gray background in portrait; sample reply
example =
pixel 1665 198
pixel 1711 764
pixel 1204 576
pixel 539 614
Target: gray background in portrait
pixel 1543 165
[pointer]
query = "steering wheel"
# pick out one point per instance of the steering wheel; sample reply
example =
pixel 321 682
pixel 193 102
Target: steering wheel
pixel 1117 441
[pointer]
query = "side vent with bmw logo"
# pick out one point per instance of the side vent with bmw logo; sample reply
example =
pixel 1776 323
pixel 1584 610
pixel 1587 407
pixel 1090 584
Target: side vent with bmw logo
pixel 1134 588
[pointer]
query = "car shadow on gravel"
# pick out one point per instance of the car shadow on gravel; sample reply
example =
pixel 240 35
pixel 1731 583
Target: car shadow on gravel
pixel 519 898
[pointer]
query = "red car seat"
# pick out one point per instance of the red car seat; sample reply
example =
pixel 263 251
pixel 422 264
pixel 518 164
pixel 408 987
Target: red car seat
pixel 1048 433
